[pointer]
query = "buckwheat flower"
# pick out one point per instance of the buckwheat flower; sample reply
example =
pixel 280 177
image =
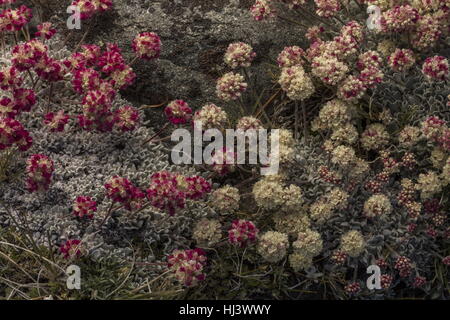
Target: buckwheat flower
pixel 427 32
pixel 374 137
pixel 225 200
pixel 296 83
pixel 194 187
pixel 369 59
pixel 272 246
pixel 23 101
pixel 187 266
pixel 337 198
pixel 122 77
pixel 343 46
pixel 84 207
pixel 329 176
pixel 262 9
pixel 351 89
pixel 85 79
pixel 352 243
pixel 178 112
pixel 313 33
pixel 291 56
pixel 90 53
pixel 242 233
pixel 268 193
pixel 89 8
pixel 419 282
pixel 147 45
pixel 299 261
pixel 45 30
pixel 345 134
pixel 292 223
pixel 10 78
pixel 353 29
pixel 399 19
pixel 446 260
pixel 121 190
pixel 386 48
pixel 292 198
pixel 435 68
pixel 386 281
pixel 39 172
pixel 111 59
pixel 429 184
pixel 249 123
pixel 71 249
pixel 15 19
pixel 12 133
pixel 329 69
pixel 327 8
pixel 433 128
pixel 26 55
pixel 164 192
pixel 339 257
pixel 207 232
pixel 438 157
pixel 377 205
pixel 371 77
pixel 223 161
pixel 239 55
pixel 343 156
pixel 409 136
pixel 126 118
pixel 49 69
pixel 401 60
pixel 335 113
pixel 56 121
pixel 404 266
pixel 320 211
pixel 352 288
pixel 308 243
pixel 230 86
pixel 211 117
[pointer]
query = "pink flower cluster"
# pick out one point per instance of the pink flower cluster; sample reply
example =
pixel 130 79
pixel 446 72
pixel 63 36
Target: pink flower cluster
pixel 15 19
pixel 126 118
pixel 12 133
pixel 404 266
pixel 401 60
pixel 45 30
pixel 187 266
pixel 71 249
pixel 178 112
pixel 121 190
pixel 89 8
pixel 352 288
pixel 291 56
pixel 262 9
pixel 239 55
pixel 242 233
pixel 84 207
pixel 147 45
pixel 39 172
pixel 436 130
pixel 56 121
pixel 436 68
pixel 230 86
pixel 327 8
pixel 399 18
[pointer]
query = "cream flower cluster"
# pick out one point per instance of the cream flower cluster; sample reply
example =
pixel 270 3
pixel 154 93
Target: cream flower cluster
pixel 230 86
pixel 352 243
pixel 377 205
pixel 296 83
pixel 308 245
pixel 225 200
pixel 239 55
pixel 207 232
pixel 374 137
pixel 272 246
pixel 211 117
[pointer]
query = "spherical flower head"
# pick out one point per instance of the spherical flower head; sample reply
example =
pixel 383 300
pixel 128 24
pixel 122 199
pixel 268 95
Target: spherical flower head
pixel 126 118
pixel 239 55
pixel 308 243
pixel 122 77
pixel 369 59
pixel 111 59
pixel 15 19
pixel 354 30
pixel 327 8
pixel 56 121
pixel 89 8
pixel 225 200
pixel 352 243
pixel 292 223
pixel 313 33
pixel 121 190
pixel 299 261
pixel 419 281
pixel 249 123
pixel 210 116
pixel 329 69
pixel 230 86
pixel 194 187
pixel 85 79
pixel 262 10
pixel 334 114
pixel 296 83
pixel 10 78
pixel 339 257
pixel 12 133
pixel 409 136
pixel 90 53
pixel 377 205
pixel 352 288
pixel 242 233
pixel 401 60
pixel 49 69
pixel 291 56
pixel 26 55
pixel 433 128
pixel 223 161
pixel 435 68
pixel 371 77
pixel 386 281
pixel 374 137
pixel 24 100
pixel 147 45
pixel 45 30
pixel 165 192
pixel 39 172
pixel 343 156
pixel 321 211
pixel 272 246
pixel 351 89
pixel 178 112
pixel 207 232
pixel 268 193
pixel 187 266
pixel 429 184
pixel 427 32
pixel 404 266
pixel 446 260
pixel 71 249
pixel 84 207
pixel 399 19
